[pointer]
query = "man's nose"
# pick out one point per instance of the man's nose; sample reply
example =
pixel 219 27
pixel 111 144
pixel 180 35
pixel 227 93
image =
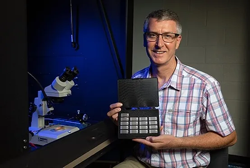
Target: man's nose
pixel 159 41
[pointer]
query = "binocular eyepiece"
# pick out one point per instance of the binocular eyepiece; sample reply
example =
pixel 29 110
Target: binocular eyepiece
pixel 68 74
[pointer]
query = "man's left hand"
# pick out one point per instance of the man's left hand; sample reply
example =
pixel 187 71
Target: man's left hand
pixel 161 142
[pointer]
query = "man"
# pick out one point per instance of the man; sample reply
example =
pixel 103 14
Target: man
pixel 193 114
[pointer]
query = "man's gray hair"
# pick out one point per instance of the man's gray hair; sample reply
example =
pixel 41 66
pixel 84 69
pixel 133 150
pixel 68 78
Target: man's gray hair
pixel 163 14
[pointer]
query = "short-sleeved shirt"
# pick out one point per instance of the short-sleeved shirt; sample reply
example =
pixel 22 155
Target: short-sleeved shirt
pixel 190 104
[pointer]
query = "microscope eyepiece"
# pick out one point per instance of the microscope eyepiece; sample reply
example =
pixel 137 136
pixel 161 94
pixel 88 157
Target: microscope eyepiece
pixel 66 73
pixel 74 72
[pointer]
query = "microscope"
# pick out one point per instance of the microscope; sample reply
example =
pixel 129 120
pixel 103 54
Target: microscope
pixel 61 87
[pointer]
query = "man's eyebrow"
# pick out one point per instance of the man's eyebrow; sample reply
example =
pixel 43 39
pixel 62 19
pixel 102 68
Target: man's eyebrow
pixel 161 33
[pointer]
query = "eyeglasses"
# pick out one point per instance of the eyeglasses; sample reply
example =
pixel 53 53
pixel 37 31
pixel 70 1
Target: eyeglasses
pixel 166 37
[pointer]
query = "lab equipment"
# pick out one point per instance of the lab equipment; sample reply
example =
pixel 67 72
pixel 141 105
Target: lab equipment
pixel 139 116
pixel 61 87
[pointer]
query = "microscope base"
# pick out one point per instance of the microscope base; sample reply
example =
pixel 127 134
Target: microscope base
pixel 51 133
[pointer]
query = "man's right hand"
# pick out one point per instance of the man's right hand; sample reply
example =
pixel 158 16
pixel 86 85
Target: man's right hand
pixel 114 110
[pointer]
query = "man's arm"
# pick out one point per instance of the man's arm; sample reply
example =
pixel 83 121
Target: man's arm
pixel 207 141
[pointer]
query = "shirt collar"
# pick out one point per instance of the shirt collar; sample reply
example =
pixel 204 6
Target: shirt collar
pixel 176 78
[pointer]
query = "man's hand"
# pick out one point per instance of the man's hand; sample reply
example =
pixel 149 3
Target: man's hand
pixel 160 142
pixel 114 110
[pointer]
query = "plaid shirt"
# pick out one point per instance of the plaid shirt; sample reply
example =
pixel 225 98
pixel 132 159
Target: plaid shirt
pixel 190 104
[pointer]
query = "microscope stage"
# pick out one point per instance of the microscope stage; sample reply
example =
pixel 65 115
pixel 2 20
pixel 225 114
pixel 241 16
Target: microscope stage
pixel 52 133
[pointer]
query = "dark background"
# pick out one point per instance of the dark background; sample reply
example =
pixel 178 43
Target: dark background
pixel 100 56
pixel 36 38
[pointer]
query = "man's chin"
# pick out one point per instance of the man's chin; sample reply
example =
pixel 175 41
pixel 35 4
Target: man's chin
pixel 158 61
pixel 158 64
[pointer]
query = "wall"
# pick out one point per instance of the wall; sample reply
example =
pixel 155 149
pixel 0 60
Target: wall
pixel 214 41
pixel 97 56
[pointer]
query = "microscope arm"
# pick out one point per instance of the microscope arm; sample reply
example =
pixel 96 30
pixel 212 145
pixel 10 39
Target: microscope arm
pixel 41 110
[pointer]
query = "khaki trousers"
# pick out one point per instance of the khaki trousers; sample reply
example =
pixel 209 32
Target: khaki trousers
pixel 132 162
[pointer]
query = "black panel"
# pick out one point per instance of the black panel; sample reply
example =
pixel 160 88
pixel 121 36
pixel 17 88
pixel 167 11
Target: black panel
pixel 129 40
pixel 141 96
pixel 13 72
pixel 139 92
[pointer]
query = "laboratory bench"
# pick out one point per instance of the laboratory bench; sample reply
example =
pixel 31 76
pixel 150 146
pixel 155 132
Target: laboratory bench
pixel 78 150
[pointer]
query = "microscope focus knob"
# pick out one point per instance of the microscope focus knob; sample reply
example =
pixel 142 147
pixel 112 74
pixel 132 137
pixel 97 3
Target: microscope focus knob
pixel 85 117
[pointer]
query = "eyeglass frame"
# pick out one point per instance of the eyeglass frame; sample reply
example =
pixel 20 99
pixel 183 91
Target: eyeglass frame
pixel 158 34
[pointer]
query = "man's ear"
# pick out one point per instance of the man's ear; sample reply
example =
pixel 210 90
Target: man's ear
pixel 178 42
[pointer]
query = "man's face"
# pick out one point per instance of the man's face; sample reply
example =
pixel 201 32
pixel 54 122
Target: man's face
pixel 160 52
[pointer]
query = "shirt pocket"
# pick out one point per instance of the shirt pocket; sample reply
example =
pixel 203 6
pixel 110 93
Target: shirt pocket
pixel 182 123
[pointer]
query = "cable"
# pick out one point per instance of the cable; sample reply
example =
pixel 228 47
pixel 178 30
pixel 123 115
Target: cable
pixel 42 89
pixel 109 34
pixel 73 43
